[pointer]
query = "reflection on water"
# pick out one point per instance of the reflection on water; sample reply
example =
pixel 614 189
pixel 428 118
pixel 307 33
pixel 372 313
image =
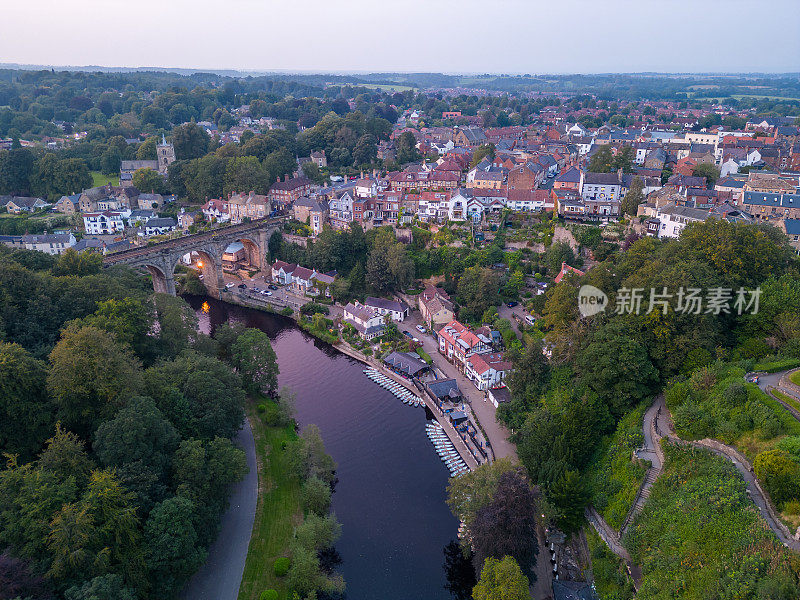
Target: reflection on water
pixel 391 493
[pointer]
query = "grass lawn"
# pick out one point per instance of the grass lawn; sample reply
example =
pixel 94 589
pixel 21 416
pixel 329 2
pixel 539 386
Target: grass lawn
pixel 424 355
pixel 277 512
pixel 99 179
pixel 795 378
pixel 788 399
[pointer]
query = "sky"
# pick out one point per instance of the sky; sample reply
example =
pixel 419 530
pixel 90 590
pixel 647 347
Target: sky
pixel 451 36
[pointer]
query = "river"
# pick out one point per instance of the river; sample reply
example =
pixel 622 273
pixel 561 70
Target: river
pixel 390 497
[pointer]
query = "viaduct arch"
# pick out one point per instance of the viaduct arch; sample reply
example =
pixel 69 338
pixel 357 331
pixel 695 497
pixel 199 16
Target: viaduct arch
pixel 161 259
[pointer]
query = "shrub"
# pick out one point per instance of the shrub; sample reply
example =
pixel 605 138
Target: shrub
pixel 262 408
pixel 269 595
pixel 281 566
pixel 780 473
pixel 287 311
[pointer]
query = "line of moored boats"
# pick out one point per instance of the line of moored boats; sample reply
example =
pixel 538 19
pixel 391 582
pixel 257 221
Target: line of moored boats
pixel 390 384
pixel 445 449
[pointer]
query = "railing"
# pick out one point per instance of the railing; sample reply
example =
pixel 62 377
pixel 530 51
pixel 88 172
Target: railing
pixel 188 239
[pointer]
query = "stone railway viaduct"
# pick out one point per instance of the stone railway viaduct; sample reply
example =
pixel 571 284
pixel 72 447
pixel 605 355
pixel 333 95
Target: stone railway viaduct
pixel 160 259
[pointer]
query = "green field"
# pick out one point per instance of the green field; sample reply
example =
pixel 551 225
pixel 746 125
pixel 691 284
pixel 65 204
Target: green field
pixel 787 399
pixel 99 179
pixel 795 378
pixel 277 512
pixel 386 87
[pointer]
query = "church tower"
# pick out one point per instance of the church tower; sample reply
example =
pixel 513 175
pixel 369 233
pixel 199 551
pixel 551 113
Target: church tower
pixel 166 155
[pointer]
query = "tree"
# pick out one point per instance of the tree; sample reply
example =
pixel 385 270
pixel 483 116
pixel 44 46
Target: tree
pixel 476 489
pixel 478 289
pixel 568 493
pixel 616 365
pixel 71 262
pixel 71 175
pixel 307 457
pixel 316 496
pixel 138 432
pixel 256 362
pixel 459 572
pixel 634 197
pixel 602 161
pixel 16 169
pixel 481 152
pixel 149 181
pixel 147 149
pixel 102 587
pixel 190 141
pixel 26 415
pixel 507 525
pixel 389 267
pixel 127 319
pixel 18 580
pixel 707 170
pixel 515 283
pixel 201 396
pixel 202 472
pixel 90 377
pixel 171 546
pixel 177 323
pixel 406 148
pixel 312 172
pixel 501 580
pixel 556 255
pixel 245 174
pixel 365 150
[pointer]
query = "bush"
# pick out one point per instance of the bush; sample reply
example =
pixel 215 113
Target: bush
pixel 287 311
pixel 780 473
pixel 281 567
pixel 268 595
pixel 313 308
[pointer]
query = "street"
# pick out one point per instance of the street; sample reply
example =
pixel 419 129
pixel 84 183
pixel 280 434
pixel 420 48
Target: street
pixel 483 409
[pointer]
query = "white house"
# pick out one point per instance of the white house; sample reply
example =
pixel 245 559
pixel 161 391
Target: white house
pixel 49 243
pixel 159 226
pixel 397 310
pixel 282 272
pixel 368 323
pixel 106 222
pixel 486 371
pixel 674 219
pixel 457 205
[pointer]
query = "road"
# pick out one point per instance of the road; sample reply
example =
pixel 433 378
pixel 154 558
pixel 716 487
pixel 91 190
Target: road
pixel 484 410
pixel 221 575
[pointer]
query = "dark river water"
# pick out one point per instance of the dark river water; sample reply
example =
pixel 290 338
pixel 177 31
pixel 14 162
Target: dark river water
pixel 390 497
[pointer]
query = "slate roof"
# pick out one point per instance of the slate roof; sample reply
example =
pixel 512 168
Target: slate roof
pixel 406 362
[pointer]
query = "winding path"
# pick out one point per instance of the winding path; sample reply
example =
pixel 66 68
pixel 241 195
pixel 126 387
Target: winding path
pixel 657 425
pixel 221 575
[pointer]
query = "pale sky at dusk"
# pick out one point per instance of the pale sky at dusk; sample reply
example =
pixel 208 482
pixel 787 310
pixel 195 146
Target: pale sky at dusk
pixel 511 36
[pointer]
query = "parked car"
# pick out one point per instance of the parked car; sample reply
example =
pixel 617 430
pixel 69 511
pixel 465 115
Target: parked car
pixel 420 328
pixel 242 286
pixel 229 285
pixel 255 289
pixel 266 292
pixel 272 286
pixel 529 320
pixel 407 334
pixel 511 304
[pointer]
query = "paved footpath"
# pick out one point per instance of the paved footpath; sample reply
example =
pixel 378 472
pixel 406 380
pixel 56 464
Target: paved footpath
pixel 221 575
